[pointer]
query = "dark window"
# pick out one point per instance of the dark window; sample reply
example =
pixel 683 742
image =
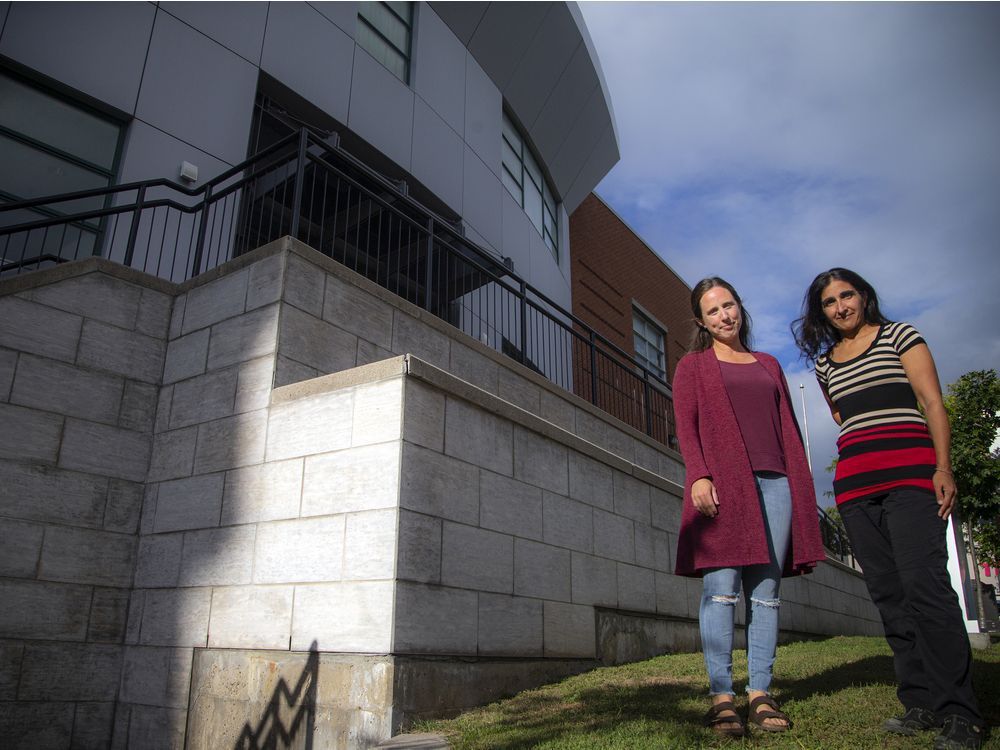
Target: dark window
pixel 384 30
pixel 649 348
pixel 525 182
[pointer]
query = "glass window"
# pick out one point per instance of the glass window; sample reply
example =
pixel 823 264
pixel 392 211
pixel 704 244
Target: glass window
pixel 525 182
pixel 649 348
pixel 384 30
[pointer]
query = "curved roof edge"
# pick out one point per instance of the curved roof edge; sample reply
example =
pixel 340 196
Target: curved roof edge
pixel 542 59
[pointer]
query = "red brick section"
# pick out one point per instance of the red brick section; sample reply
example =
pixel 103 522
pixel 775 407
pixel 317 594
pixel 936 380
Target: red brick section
pixel 611 267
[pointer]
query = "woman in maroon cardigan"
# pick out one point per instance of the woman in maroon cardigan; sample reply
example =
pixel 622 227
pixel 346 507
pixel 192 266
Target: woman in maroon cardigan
pixel 749 514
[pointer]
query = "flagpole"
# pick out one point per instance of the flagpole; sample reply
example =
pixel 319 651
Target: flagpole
pixel 805 423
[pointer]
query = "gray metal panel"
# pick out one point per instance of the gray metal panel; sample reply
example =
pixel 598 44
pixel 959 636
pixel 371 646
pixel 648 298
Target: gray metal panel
pixel 580 142
pixel 4 7
pixel 238 26
pixel 600 161
pixel 438 153
pixel 381 109
pixel 462 18
pixel 543 63
pixel 197 90
pixel 97 48
pixel 503 36
pixel 517 231
pixel 548 277
pixel 481 206
pixel 483 109
pixel 439 68
pixel 342 13
pixel 310 55
pixel 151 154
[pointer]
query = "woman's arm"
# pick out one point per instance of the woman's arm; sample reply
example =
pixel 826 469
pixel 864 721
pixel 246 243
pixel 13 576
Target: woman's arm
pixel 922 374
pixel 703 493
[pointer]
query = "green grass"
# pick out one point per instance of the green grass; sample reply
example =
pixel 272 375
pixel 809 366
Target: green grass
pixel 837 691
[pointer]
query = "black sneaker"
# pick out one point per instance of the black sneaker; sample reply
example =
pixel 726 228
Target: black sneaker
pixel 959 733
pixel 913 721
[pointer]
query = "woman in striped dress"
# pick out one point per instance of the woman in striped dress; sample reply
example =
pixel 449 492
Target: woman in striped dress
pixel 895 490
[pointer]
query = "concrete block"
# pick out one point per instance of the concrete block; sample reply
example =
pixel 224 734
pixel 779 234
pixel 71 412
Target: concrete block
pixel 614 536
pixel 304 284
pixel 249 336
pixel 101 558
pixel 541 461
pixel 10 670
pixel 672 469
pixel 595 430
pixel 251 617
pixel 112 349
pixel 358 312
pixel 365 478
pixel 265 281
pixel 203 398
pixel 175 617
pixel 590 481
pixel 156 676
pixel 438 485
pixel 476 436
pixel 108 613
pixel 69 672
pixel 231 442
pixel 369 353
pixel 186 356
pixel 567 523
pixel 509 506
pixel 370 545
pixel 156 728
pixel 412 336
pixel 423 415
pixel 509 626
pixel 136 603
pixel 316 343
pixel 37 725
pixel 570 630
pixel 21 548
pixel 288 371
pixel 44 493
pixel 477 559
pixel 316 424
pixel 663 551
pixel 173 454
pixel 158 562
pixel 138 411
pixel 378 412
pixel 475 368
pixel 124 506
pixel 192 503
pixel 645 545
pixel 29 435
pixel 163 409
pixel 253 384
pixel 177 317
pixel 636 588
pixel 218 300
pixel 672 596
pixel 106 450
pixel 647 457
pixel 93 295
pixel 21 320
pixel 305 550
pixel 352 616
pixel 542 571
pixel 631 498
pixel 435 620
pixel 93 724
pixel 595 580
pixel 49 385
pixel 557 410
pixel 217 557
pixel 153 317
pixel 8 361
pixel 419 555
pixel 520 391
pixel 266 492
pixel 665 510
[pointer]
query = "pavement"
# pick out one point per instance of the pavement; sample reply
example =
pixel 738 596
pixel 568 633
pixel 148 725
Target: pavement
pixel 419 740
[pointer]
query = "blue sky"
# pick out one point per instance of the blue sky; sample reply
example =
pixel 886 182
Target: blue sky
pixel 766 142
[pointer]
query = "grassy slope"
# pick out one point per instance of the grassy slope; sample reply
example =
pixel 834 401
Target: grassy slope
pixel 836 691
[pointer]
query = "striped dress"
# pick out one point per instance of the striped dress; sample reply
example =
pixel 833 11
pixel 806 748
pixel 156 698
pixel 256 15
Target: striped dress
pixel 884 442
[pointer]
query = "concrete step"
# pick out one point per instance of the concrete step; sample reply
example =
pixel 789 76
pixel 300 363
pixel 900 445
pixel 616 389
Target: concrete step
pixel 419 740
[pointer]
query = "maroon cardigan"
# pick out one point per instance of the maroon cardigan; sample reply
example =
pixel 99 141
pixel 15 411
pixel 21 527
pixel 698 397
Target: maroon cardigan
pixel 713 447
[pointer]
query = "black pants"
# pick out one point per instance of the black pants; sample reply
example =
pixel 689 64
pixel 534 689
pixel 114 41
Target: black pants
pixel 900 542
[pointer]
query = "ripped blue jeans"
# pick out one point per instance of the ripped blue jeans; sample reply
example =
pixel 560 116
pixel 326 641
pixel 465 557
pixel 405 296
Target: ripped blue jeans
pixel 760 584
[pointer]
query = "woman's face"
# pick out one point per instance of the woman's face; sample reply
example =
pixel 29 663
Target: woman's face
pixel 843 305
pixel 720 314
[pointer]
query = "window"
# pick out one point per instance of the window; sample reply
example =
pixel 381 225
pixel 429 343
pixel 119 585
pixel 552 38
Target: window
pixel 384 30
pixel 525 182
pixel 649 349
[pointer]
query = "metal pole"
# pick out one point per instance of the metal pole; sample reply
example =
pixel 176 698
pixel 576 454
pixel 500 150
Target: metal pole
pixel 805 423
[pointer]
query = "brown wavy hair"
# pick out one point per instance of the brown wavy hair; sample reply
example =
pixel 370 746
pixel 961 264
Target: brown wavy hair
pixel 702 339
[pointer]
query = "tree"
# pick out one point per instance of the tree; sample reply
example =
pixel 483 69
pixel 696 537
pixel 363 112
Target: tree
pixel 973 404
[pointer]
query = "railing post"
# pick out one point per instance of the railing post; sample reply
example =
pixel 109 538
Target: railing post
pixel 648 406
pixel 524 322
pixel 133 232
pixel 300 172
pixel 202 228
pixel 593 368
pixel 429 274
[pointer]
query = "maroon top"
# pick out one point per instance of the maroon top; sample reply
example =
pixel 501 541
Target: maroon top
pixel 754 396
pixel 713 447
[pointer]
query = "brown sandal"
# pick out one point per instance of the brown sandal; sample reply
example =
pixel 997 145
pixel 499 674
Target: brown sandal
pixel 714 720
pixel 757 718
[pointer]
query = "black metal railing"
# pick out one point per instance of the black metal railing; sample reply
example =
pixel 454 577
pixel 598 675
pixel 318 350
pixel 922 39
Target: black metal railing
pixel 835 538
pixel 307 187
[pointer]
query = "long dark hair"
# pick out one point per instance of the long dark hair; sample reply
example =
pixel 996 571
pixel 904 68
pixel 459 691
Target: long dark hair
pixel 702 339
pixel 813 332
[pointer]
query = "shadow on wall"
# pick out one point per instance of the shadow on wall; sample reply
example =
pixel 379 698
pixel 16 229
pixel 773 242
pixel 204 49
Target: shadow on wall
pixel 271 731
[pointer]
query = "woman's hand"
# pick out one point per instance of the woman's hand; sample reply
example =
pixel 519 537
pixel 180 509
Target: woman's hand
pixel 705 498
pixel 945 492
